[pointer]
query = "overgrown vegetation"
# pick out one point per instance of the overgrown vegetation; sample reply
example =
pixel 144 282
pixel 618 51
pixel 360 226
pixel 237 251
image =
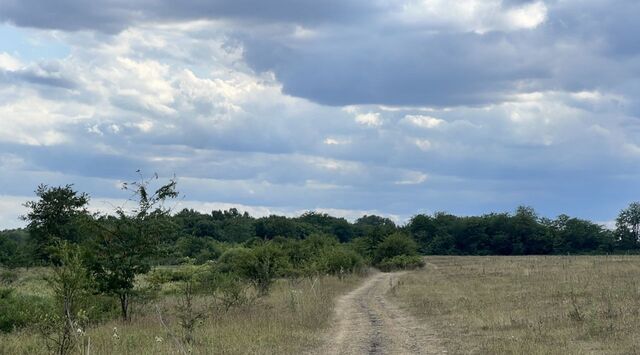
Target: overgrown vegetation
pixel 185 271
pixel 95 259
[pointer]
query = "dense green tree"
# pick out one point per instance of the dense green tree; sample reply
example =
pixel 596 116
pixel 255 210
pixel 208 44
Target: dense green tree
pixel 573 235
pixel 15 248
pixel 628 226
pixel 199 249
pixel 394 245
pixel 280 226
pixel 327 224
pixel 56 216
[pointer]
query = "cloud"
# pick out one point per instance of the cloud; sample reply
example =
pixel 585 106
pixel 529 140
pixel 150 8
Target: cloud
pixel 9 62
pixel 112 16
pixel 467 107
pixel 369 119
pixel 424 121
pixel 474 15
pixel 409 52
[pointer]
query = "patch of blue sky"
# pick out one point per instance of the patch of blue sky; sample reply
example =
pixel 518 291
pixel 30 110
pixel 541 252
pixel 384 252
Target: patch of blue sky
pixel 31 45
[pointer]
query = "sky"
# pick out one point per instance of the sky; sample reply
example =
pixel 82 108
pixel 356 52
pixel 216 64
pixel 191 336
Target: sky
pixel 349 107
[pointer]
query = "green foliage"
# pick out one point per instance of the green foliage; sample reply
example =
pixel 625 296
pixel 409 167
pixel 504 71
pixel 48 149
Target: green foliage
pixel 279 226
pixel 364 246
pixel 19 311
pixel 15 249
pixel 190 314
pixel 522 232
pixel 70 284
pixel 339 261
pixel 401 262
pixel 327 224
pixel 227 226
pixel 200 249
pixel 57 216
pixel 628 226
pixel 259 265
pixel 125 245
pixel 394 245
pixel 267 263
pixel 440 244
pixel 230 291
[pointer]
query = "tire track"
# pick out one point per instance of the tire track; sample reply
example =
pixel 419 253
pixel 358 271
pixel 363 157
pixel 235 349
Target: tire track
pixel 367 323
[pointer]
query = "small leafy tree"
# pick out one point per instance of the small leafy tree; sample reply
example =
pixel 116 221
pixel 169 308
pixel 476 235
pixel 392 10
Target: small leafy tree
pixel 54 218
pixel 69 283
pixel 189 313
pixel 125 243
pixel 268 262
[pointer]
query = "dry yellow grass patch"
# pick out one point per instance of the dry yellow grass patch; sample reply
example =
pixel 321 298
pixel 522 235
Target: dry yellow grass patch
pixel 529 305
pixel 292 318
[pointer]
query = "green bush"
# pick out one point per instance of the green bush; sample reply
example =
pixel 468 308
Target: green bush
pixel 259 265
pixel 401 262
pixel 235 260
pixel 201 249
pixel 18 311
pixel 394 245
pixel 100 308
pixel 338 260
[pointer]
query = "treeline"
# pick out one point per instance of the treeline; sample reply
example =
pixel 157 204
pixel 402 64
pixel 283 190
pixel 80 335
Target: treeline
pixel 206 236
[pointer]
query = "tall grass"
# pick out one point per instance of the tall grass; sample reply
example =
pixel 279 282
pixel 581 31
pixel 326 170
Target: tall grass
pixel 529 305
pixel 287 321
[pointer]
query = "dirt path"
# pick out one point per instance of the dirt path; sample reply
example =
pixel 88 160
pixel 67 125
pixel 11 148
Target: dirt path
pixel 367 323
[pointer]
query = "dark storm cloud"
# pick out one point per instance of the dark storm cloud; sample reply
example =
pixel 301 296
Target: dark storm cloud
pixel 115 15
pixel 366 52
pixel 401 69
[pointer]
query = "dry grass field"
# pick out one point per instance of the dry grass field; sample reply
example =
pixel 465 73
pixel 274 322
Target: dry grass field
pixel 528 305
pixel 291 318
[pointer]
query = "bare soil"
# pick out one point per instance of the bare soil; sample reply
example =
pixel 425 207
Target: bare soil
pixel 366 322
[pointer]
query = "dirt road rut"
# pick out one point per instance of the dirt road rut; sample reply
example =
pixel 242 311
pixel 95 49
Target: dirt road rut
pixel 367 323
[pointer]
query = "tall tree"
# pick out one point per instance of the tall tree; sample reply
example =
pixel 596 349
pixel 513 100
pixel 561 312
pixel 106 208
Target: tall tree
pixel 55 218
pixel 628 226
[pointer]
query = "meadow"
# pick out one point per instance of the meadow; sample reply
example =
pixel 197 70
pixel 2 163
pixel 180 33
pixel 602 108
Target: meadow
pixel 291 318
pixel 528 304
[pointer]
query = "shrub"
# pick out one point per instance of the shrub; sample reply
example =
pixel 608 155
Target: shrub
pixel 259 265
pixel 401 262
pixel 18 311
pixel 199 248
pixel 70 284
pixel 394 245
pixel 231 291
pixel 339 260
